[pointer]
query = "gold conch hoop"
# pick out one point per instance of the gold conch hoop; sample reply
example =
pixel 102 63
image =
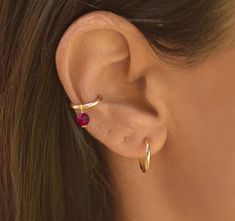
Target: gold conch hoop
pixel 86 106
pixel 145 162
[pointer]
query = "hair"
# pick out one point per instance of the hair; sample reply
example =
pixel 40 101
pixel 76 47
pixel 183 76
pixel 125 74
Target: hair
pixel 50 169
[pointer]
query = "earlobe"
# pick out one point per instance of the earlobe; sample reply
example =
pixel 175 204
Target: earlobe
pixel 103 54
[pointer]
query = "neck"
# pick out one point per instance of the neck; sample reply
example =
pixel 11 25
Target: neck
pixel 153 194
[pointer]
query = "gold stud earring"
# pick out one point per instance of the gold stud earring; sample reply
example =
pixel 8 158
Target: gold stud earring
pixel 82 118
pixel 145 162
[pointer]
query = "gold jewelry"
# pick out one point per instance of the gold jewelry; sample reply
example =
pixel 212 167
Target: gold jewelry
pixel 86 106
pixel 145 162
pixel 82 118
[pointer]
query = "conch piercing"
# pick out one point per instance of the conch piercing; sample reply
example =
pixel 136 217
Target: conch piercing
pixel 82 119
pixel 145 162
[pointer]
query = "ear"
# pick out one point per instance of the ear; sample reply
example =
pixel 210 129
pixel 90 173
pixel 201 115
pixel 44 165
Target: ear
pixel 102 53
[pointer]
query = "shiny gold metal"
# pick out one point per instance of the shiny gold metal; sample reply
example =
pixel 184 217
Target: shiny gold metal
pixel 86 106
pixel 145 162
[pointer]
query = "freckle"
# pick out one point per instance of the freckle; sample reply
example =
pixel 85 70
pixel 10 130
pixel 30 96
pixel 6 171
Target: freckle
pixel 109 131
pixel 126 138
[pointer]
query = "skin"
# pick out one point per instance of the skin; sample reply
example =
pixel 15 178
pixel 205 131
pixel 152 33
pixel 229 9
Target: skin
pixel 188 114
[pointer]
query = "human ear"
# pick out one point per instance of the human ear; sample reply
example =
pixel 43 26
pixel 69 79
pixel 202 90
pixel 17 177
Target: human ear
pixel 102 53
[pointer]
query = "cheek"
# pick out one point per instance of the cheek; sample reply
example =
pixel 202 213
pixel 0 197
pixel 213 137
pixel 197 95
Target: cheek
pixel 206 112
pixel 206 108
pixel 203 151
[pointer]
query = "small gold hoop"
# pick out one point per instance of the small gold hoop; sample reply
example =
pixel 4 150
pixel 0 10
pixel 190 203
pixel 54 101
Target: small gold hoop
pixel 145 162
pixel 86 106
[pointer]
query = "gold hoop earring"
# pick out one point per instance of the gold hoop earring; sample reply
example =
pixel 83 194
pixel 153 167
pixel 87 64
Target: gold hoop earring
pixel 82 119
pixel 145 162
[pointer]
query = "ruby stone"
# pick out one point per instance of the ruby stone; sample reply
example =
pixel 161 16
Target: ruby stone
pixel 82 119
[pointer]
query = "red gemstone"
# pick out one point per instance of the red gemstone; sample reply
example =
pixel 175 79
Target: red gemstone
pixel 82 119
